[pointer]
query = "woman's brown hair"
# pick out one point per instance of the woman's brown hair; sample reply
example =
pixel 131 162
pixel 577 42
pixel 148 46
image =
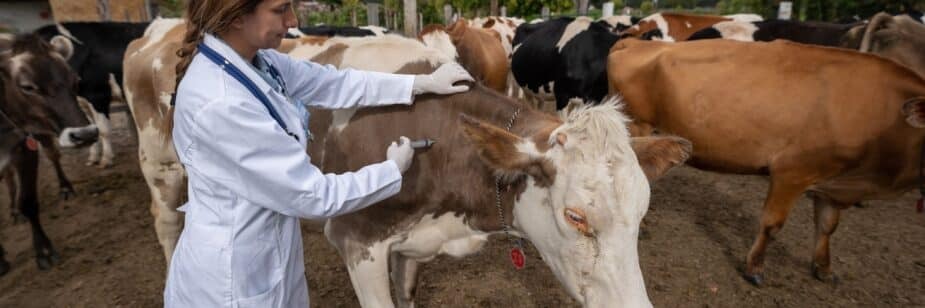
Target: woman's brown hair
pixel 208 16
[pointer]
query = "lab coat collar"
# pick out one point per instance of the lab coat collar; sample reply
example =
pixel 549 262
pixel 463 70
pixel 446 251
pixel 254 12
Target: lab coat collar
pixel 226 51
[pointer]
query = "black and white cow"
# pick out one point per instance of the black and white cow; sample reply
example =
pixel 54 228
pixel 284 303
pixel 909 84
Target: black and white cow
pixel 325 30
pixel 98 51
pixel 568 56
pixel 814 33
pixel 38 100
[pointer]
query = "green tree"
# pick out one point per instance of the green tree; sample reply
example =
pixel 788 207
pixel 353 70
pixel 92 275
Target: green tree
pixel 646 7
pixel 170 8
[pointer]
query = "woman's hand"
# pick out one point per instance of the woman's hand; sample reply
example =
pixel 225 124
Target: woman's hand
pixel 441 81
pixel 401 153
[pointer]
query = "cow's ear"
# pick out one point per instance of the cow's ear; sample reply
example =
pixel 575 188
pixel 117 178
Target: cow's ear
pixel 500 150
pixel 63 46
pixel 6 41
pixel 657 155
pixel 914 111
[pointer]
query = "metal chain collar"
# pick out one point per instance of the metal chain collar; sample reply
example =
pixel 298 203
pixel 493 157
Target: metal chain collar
pixel 507 228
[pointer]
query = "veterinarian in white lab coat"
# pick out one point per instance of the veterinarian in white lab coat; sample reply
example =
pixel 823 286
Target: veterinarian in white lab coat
pixel 240 132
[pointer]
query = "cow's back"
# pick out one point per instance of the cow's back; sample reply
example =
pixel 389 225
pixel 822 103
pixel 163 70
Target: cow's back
pixel 764 99
pixel 150 76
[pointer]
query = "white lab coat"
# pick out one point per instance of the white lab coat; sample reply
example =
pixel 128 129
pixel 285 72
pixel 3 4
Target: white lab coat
pixel 249 182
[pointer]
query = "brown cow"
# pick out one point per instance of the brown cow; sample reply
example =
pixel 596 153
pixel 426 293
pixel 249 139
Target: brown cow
pixel 899 38
pixel 478 50
pixel 38 98
pixel 674 27
pixel 840 124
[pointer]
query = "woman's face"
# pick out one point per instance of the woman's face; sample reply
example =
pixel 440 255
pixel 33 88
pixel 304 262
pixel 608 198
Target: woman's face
pixel 267 25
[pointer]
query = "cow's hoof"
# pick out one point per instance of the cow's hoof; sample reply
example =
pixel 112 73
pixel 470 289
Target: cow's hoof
pixel 4 267
pixel 105 164
pixel 19 218
pixel 45 262
pixel 755 279
pixel 66 193
pixel 91 163
pixel 826 276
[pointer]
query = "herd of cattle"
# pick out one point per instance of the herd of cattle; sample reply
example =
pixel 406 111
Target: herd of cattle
pixel 834 111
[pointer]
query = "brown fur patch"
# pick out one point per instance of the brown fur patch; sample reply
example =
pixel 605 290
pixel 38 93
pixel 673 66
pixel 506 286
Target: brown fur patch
pixel 334 55
pixel 657 155
pixel 498 149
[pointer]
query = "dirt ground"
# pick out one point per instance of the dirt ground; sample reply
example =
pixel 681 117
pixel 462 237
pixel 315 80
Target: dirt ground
pixel 698 230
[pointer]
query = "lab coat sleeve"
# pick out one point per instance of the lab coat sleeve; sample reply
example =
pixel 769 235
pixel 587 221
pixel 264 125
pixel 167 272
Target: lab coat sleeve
pixel 324 86
pixel 251 155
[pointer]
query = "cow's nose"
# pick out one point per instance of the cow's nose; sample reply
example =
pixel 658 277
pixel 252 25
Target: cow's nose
pixel 86 135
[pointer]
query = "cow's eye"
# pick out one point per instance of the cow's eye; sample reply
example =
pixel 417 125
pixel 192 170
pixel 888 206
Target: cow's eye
pixel 29 88
pixel 577 218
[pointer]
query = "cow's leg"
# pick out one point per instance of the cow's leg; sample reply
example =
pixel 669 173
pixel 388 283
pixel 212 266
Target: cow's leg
pixel 13 190
pixel 826 213
pixel 781 198
pixel 4 266
pixel 105 139
pixel 27 171
pixel 165 182
pixel 404 272
pixel 53 153
pixel 369 274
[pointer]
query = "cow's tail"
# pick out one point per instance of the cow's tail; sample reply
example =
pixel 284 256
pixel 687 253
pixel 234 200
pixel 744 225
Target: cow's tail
pixel 879 21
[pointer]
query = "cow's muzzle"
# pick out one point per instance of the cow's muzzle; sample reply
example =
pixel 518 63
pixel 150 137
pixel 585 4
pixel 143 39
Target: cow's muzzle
pixel 72 137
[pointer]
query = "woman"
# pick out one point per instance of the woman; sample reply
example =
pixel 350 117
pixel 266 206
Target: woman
pixel 240 131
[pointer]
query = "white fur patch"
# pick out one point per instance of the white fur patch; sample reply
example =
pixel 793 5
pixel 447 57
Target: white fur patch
pixel 66 138
pixel 441 41
pixel 158 28
pixel 447 234
pixel 295 32
pixel 165 100
pixel 615 20
pixel 384 54
pixel 575 27
pixel 64 32
pixel 738 31
pixel 157 64
pixel 341 117
pixel 19 61
pixel 662 25
pixel 745 17
pixel 377 30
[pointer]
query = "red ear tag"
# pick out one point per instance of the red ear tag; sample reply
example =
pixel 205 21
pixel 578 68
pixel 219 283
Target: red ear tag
pixel 517 257
pixel 32 144
pixel 919 206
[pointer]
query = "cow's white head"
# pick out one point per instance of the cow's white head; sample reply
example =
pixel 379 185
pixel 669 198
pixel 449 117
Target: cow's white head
pixel 587 191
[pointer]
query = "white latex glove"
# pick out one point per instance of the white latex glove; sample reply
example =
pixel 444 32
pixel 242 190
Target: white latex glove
pixel 401 153
pixel 441 81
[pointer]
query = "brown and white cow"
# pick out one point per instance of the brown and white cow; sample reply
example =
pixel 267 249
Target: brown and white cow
pixel 38 99
pixel 476 49
pixel 579 209
pixel 573 187
pixel 842 125
pixel 673 27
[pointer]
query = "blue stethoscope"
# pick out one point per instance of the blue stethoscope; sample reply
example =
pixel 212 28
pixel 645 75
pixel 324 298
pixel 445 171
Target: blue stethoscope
pixel 232 70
